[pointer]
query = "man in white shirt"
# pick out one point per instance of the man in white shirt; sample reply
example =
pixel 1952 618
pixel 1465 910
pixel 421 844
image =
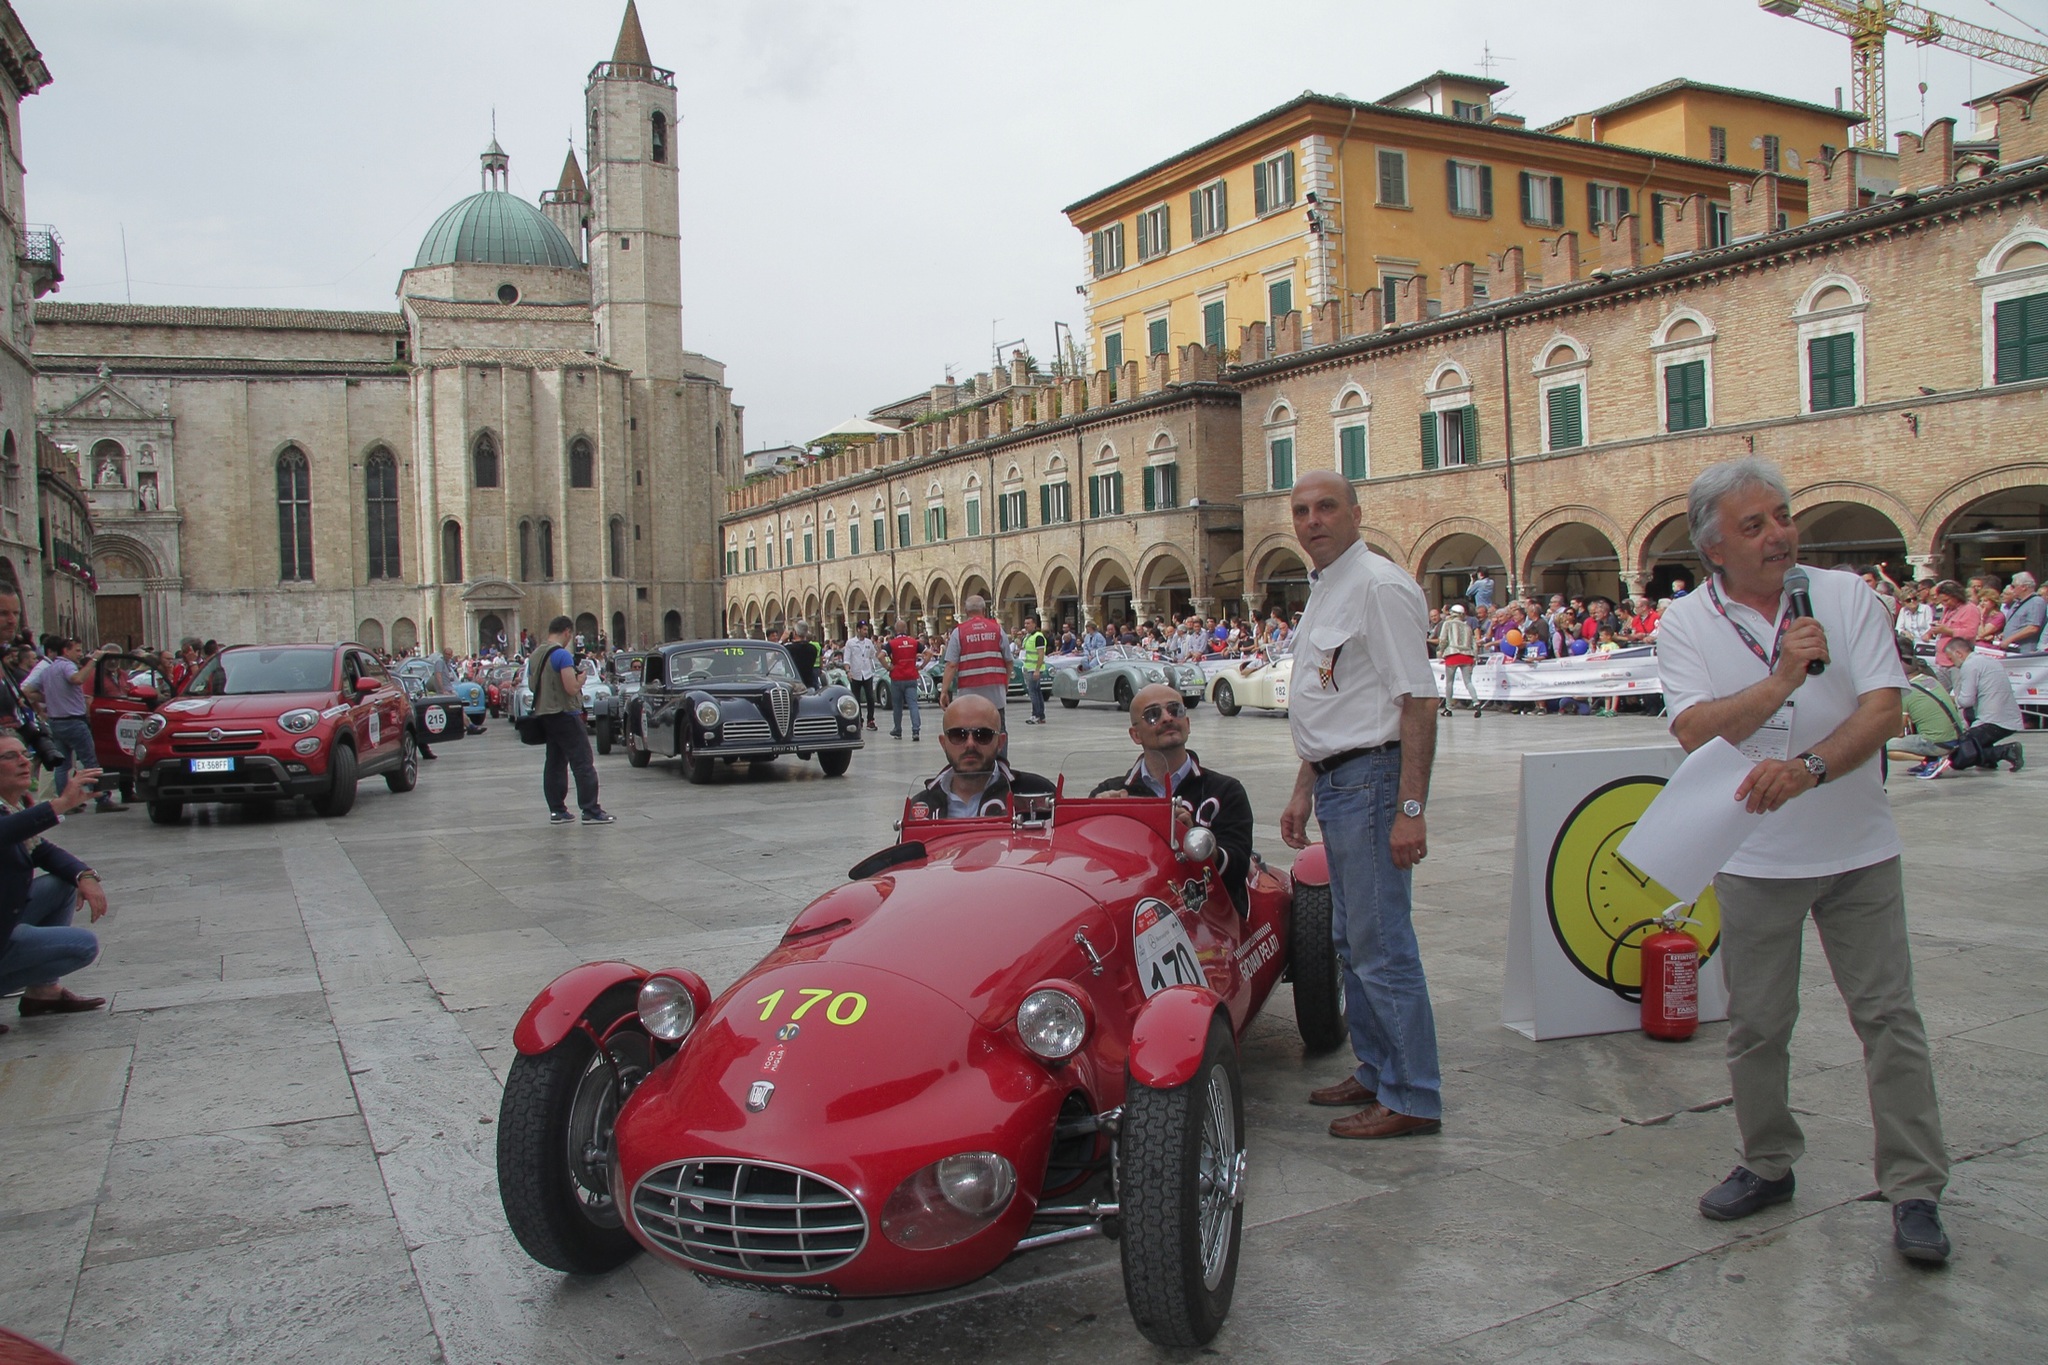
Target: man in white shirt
pixel 1737 665
pixel 860 667
pixel 1984 692
pixel 1361 716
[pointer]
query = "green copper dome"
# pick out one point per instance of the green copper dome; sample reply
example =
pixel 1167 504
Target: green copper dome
pixel 496 228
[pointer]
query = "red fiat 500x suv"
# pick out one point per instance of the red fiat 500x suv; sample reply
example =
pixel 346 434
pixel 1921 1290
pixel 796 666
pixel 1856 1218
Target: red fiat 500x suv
pixel 263 723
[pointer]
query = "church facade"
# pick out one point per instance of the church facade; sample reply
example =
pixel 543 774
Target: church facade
pixel 524 437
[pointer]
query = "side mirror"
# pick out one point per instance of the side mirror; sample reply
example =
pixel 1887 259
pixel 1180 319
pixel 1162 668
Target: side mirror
pixel 365 686
pixel 1198 845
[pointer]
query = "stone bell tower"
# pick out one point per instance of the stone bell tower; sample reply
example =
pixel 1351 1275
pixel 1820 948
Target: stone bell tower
pixel 635 242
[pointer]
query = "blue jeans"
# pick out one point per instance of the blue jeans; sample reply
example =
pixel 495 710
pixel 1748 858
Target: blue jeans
pixel 902 694
pixel 1386 1000
pixel 74 734
pixel 44 946
pixel 1036 690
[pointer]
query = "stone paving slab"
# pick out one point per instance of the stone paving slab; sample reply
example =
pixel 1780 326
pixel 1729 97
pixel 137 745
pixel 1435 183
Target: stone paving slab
pixel 281 1144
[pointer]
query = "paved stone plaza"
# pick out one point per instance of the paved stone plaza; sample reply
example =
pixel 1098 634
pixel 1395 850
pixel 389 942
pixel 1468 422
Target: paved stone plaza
pixel 279 1143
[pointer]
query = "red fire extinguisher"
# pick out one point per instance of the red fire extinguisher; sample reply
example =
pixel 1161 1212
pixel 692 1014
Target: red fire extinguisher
pixel 1670 975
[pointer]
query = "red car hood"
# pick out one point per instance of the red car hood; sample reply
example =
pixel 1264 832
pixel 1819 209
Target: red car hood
pixel 260 706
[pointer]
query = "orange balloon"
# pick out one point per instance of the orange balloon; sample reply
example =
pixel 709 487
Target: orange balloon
pixel 1514 637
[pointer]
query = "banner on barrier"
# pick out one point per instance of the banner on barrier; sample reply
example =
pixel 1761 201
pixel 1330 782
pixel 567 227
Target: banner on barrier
pixel 1573 900
pixel 1625 673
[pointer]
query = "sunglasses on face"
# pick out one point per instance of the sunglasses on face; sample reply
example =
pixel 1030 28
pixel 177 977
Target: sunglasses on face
pixel 1152 715
pixel 980 734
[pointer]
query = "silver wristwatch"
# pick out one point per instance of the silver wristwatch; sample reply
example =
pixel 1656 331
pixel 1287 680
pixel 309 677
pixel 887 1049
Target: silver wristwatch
pixel 1412 809
pixel 1816 765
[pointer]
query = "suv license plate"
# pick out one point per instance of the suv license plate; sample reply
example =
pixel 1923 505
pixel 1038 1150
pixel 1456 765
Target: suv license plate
pixel 213 765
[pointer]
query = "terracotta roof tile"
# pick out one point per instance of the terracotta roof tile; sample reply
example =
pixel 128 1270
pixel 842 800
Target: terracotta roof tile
pixel 180 315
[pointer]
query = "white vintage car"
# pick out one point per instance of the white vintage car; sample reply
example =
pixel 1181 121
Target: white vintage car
pixel 1255 681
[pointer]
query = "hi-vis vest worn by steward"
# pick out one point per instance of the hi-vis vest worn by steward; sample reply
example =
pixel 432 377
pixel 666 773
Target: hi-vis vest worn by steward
pixel 1034 651
pixel 981 655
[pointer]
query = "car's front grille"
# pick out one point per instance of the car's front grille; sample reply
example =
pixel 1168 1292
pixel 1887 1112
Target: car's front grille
pixel 749 1218
pixel 783 701
pixel 815 728
pixel 215 741
pixel 742 734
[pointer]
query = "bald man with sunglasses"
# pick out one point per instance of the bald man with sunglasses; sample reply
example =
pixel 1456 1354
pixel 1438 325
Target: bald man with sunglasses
pixel 1160 726
pixel 975 781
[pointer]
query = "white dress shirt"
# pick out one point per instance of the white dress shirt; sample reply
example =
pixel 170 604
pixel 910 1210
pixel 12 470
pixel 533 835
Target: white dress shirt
pixel 860 658
pixel 1362 646
pixel 1985 688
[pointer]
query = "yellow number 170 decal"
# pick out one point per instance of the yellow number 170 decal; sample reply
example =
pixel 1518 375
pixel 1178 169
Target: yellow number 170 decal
pixel 846 1008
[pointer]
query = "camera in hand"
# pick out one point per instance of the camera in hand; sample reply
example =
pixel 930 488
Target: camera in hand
pixel 47 750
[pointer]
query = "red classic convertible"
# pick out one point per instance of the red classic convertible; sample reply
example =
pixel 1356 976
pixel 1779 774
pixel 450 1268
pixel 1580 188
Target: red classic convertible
pixel 1000 1034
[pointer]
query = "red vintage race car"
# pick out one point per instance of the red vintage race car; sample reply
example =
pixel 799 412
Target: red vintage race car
pixel 1000 1034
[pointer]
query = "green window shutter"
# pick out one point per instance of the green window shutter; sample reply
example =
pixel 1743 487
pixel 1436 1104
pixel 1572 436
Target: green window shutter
pixel 1685 396
pixel 1287 178
pixel 1528 203
pixel 1351 445
pixel 1592 206
pixel 1279 300
pixel 1196 229
pixel 1557 201
pixel 1469 417
pixel 853 538
pixel 1095 495
pixel 1621 203
pixel 974 518
pixel 1212 326
pixel 2020 328
pixel 1113 352
pixel 1429 440
pixel 1831 371
pixel 1155 336
pixel 1261 200
pixel 1451 187
pixel 1486 191
pixel 903 530
pixel 1150 476
pixel 1567 428
pixel 1283 462
pixel 1045 504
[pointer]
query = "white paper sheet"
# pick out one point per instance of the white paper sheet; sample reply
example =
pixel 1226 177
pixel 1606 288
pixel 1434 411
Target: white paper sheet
pixel 1695 825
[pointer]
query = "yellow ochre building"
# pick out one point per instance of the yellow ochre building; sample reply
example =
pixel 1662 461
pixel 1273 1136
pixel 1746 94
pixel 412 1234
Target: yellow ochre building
pixel 1330 200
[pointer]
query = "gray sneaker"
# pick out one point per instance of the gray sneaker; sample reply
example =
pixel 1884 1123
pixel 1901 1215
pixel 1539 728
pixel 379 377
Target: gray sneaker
pixel 1744 1192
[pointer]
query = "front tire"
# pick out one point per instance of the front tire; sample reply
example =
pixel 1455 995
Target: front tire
pixel 1226 700
pixel 406 775
pixel 555 1150
pixel 1315 969
pixel 604 735
pixel 340 796
pixel 835 762
pixel 166 812
pixel 695 768
pixel 1123 694
pixel 1071 703
pixel 1181 1184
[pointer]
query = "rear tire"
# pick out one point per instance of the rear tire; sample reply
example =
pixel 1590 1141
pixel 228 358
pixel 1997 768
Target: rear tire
pixel 604 735
pixel 340 796
pixel 1181 1184
pixel 1226 700
pixel 836 762
pixel 166 812
pixel 556 1105
pixel 1316 970
pixel 406 775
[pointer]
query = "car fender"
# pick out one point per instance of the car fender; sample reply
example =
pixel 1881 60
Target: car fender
pixel 1170 1035
pixel 1312 866
pixel 565 1000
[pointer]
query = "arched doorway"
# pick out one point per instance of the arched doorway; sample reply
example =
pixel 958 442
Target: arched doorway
pixel 1577 560
pixel 1450 565
pixel 910 607
pixel 1063 598
pixel 488 628
pixel 671 625
pixel 1669 558
pixel 940 607
pixel 1166 587
pixel 586 626
pixel 1283 583
pixel 857 608
pixel 1109 588
pixel 1999 534
pixel 1017 600
pixel 405 636
pixel 618 630
pixel 1850 534
pixel 370 633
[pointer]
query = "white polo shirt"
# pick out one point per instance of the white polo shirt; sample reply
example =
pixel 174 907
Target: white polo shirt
pixel 1846 822
pixel 1362 646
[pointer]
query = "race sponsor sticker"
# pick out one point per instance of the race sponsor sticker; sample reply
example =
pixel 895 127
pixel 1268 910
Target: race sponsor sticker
pixel 1166 956
pixel 375 726
pixel 437 719
pixel 125 731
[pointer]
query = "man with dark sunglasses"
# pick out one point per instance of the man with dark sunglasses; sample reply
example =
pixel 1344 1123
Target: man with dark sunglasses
pixel 1160 726
pixel 975 781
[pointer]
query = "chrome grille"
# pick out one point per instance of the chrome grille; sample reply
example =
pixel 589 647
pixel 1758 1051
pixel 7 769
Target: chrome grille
pixel 816 728
pixel 215 741
pixel 749 1217
pixel 783 700
pixel 746 734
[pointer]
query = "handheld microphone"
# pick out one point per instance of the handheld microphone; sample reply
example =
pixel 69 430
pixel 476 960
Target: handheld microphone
pixel 1796 583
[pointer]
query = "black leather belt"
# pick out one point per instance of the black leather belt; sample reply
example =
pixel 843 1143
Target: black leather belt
pixel 1336 761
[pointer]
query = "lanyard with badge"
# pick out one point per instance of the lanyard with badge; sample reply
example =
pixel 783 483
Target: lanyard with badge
pixel 1772 739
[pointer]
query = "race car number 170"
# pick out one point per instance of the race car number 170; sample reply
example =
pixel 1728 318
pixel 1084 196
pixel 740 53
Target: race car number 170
pixel 1166 956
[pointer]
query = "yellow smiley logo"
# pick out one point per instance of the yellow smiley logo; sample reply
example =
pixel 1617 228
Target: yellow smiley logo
pixel 1597 900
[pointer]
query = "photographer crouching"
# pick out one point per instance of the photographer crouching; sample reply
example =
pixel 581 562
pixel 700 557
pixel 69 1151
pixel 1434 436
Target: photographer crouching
pixel 40 888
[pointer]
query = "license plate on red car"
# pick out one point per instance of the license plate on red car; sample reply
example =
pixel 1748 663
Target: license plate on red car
pixel 213 765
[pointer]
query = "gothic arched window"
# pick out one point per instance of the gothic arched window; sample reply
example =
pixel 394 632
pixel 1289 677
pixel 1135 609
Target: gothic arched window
pixel 581 473
pixel 294 517
pixel 380 507
pixel 547 549
pixel 485 463
pixel 618 547
pixel 659 141
pixel 451 551
pixel 525 552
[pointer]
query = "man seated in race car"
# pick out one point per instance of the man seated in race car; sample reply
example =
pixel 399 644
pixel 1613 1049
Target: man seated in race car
pixel 1160 725
pixel 974 781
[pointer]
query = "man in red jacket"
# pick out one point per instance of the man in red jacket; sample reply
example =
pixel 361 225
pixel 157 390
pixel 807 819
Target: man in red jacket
pixel 903 664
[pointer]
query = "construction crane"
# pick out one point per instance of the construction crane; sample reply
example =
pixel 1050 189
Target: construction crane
pixel 1867 23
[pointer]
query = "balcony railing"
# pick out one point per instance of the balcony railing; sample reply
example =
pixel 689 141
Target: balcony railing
pixel 632 71
pixel 42 257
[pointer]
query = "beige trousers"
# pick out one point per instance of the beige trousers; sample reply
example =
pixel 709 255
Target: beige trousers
pixel 1861 916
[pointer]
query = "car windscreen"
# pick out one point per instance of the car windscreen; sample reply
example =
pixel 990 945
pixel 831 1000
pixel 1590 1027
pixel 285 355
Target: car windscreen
pixel 248 672
pixel 731 663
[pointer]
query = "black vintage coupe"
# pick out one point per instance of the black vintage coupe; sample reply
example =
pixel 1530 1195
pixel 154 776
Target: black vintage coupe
pixel 705 700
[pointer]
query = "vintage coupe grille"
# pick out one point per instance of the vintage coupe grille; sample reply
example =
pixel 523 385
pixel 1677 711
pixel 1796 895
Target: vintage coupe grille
pixel 746 734
pixel 817 728
pixel 783 701
pixel 749 1217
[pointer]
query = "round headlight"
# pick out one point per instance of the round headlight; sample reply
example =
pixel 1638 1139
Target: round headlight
pixel 309 745
pixel 707 714
pixel 848 707
pixel 153 727
pixel 300 721
pixel 1052 1024
pixel 976 1183
pixel 1157 675
pixel 666 1008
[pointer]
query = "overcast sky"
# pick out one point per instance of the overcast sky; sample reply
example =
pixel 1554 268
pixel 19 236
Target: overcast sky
pixel 871 191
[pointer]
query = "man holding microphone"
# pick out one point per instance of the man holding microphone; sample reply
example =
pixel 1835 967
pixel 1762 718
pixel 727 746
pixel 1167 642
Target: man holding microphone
pixel 1798 667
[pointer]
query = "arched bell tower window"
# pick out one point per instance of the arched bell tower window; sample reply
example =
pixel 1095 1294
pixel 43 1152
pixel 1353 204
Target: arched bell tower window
pixel 659 139
pixel 380 506
pixel 294 517
pixel 547 549
pixel 451 551
pixel 525 552
pixel 484 462
pixel 581 474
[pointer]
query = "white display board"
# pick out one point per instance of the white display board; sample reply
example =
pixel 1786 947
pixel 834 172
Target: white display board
pixel 1571 895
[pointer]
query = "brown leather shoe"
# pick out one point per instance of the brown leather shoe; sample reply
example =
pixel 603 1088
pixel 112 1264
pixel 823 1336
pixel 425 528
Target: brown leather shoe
pixel 1378 1121
pixel 1345 1094
pixel 64 1003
